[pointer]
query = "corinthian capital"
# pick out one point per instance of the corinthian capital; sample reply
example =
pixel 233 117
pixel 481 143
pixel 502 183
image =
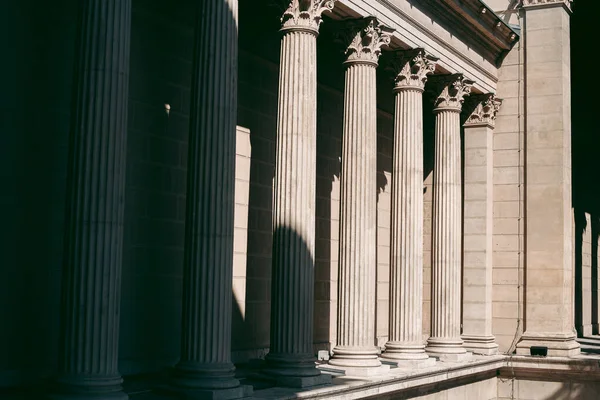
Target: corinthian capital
pixel 530 3
pixel 364 39
pixel 411 68
pixel 305 14
pixel 450 90
pixel 482 109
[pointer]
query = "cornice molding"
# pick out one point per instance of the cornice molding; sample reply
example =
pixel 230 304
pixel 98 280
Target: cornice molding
pixel 475 23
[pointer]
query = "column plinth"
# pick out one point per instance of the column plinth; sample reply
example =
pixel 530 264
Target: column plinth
pixel 405 346
pixel 205 369
pixel 445 342
pixel 291 360
pixel 88 356
pixel 356 352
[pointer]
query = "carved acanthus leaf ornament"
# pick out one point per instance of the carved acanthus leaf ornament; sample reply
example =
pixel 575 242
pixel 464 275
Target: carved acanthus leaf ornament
pixel 305 14
pixel 485 109
pixel 411 68
pixel 364 39
pixel 450 90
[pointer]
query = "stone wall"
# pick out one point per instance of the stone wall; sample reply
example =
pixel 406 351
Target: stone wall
pixel 523 389
pixel 508 229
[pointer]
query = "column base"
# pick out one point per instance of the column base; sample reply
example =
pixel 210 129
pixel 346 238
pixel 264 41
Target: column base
pixel 293 370
pixel 558 344
pixel 81 387
pixel 356 371
pixel 355 357
pixel 295 382
pixel 427 362
pixel 203 376
pixel 406 356
pixel 595 329
pixel 484 345
pixel 447 350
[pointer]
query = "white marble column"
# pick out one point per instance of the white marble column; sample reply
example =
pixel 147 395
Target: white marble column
pixel 291 359
pixel 205 369
pixel 445 342
pixel 478 223
pixel 91 291
pixel 356 352
pixel 405 346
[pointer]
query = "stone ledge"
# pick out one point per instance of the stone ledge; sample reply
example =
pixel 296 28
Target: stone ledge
pixel 403 382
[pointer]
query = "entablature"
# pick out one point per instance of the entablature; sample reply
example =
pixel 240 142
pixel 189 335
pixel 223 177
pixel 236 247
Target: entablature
pixel 474 48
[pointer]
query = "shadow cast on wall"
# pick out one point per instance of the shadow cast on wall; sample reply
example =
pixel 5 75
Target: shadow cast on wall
pixel 585 143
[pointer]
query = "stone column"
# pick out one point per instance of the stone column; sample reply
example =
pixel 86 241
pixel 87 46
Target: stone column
pixel 356 352
pixel 445 342
pixel 291 359
pixel 405 346
pixel 88 356
pixel 549 296
pixel 478 223
pixel 205 369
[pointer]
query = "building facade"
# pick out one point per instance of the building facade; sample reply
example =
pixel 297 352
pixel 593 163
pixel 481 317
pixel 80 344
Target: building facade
pixel 341 198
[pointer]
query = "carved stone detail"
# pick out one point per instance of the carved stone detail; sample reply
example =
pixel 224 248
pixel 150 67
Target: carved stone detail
pixel 364 39
pixel 450 91
pixel 411 68
pixel 485 108
pixel 305 14
pixel 567 3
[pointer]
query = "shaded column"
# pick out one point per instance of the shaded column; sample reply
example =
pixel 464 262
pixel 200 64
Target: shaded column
pixel 91 292
pixel 405 344
pixel 445 342
pixel 291 359
pixel 356 352
pixel 205 368
pixel 478 223
pixel 549 296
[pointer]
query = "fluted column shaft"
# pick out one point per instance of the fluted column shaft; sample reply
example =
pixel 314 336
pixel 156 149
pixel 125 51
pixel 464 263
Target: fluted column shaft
pixel 208 255
pixel 358 221
pixel 291 359
pixel 294 205
pixel 446 242
pixel 406 269
pixel 88 357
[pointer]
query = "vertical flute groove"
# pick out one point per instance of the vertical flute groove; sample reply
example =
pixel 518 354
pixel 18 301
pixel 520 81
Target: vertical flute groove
pixel 446 241
pixel 95 202
pixel 357 261
pixel 405 340
pixel 294 203
pixel 205 361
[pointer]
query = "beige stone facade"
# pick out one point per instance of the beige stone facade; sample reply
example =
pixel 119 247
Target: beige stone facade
pixel 335 199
